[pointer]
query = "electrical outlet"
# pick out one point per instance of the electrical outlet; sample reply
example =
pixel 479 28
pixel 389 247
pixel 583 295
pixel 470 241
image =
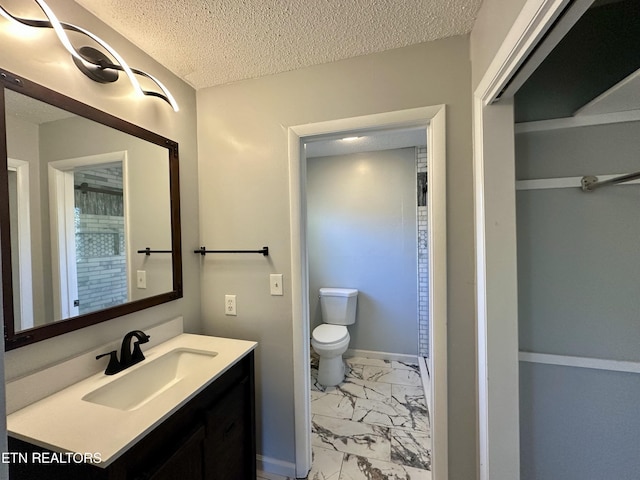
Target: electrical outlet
pixel 275 282
pixel 142 279
pixel 230 305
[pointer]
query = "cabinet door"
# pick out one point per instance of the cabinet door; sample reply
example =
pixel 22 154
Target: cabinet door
pixel 228 453
pixel 184 464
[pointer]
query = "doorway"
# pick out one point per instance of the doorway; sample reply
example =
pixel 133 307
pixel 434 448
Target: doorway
pixel 20 213
pixel 432 121
pixel 362 228
pixel 496 261
pixel 89 233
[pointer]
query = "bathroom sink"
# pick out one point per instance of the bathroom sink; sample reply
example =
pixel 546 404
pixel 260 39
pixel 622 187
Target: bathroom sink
pixel 136 387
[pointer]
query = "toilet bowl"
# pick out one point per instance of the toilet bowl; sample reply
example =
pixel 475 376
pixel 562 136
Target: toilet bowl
pixel 330 342
pixel 331 339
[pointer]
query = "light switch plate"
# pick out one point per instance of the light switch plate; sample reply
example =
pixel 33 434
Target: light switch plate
pixel 275 282
pixel 142 279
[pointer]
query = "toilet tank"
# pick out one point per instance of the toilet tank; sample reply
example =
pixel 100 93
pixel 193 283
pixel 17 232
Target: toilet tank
pixel 338 305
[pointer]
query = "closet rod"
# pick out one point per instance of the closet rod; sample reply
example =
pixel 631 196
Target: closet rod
pixel 203 251
pixel 590 183
pixel 147 251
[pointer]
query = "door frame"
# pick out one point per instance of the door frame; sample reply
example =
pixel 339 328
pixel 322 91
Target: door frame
pixel 495 252
pixel 21 167
pixel 433 119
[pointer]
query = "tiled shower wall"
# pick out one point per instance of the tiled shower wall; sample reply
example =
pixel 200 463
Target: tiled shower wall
pixel 423 254
pixel 100 246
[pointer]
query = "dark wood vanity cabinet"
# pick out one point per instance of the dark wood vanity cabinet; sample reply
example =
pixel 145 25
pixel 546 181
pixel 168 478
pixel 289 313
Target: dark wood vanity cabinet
pixel 212 437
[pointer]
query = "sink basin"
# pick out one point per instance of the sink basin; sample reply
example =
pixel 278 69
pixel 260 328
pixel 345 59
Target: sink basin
pixel 136 387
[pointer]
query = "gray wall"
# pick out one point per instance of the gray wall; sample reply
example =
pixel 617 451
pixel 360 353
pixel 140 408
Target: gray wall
pixel 579 271
pixel 578 277
pixel 494 20
pixel 243 145
pixel 593 150
pixel 578 423
pixel 361 211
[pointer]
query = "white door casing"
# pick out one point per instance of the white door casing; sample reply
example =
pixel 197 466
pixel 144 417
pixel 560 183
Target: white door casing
pixel 496 270
pixel 21 168
pixel 433 120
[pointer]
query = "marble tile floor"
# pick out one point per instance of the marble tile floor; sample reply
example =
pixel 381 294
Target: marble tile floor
pixel 374 426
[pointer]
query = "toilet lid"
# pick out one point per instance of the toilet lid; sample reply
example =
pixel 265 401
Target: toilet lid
pixel 326 333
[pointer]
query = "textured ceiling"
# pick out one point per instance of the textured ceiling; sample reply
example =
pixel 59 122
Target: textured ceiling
pixel 31 110
pixel 211 42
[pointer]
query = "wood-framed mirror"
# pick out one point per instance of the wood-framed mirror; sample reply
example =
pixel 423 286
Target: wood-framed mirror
pixel 89 214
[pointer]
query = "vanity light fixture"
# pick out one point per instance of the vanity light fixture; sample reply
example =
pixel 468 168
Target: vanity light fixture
pixel 94 63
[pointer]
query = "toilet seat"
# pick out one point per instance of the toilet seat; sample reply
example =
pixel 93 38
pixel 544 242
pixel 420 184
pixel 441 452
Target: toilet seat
pixel 326 334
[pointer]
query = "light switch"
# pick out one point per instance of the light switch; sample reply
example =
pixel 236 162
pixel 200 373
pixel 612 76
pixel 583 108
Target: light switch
pixel 275 281
pixel 142 279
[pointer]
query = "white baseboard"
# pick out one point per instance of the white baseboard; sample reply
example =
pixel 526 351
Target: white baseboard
pixel 272 468
pixel 392 357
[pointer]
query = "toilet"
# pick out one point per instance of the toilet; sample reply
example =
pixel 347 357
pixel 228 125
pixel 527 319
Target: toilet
pixel 331 339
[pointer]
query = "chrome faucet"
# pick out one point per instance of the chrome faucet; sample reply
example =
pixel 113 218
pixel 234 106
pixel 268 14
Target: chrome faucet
pixel 127 357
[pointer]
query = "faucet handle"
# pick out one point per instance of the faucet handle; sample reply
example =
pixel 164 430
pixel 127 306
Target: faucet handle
pixel 114 366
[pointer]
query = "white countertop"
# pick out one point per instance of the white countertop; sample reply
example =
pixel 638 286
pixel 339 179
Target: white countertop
pixel 63 422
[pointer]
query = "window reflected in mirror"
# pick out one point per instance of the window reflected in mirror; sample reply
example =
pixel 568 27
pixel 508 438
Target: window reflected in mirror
pixel 99 235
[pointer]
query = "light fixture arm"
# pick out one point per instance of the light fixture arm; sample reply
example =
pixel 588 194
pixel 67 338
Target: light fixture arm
pixel 89 64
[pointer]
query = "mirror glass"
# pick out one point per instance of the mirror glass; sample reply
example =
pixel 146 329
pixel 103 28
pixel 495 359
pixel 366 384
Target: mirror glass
pixel 84 200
